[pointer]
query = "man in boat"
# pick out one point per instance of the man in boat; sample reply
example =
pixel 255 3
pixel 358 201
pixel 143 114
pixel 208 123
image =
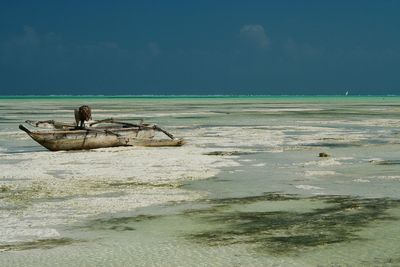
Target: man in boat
pixel 84 113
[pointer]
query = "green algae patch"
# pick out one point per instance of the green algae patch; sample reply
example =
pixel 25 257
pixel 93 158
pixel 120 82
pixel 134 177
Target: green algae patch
pixel 118 223
pixel 129 184
pixel 383 261
pixel 334 145
pixel 228 153
pixel 274 196
pixel 27 194
pixel 38 244
pixel 4 188
pixel 385 162
pixel 337 220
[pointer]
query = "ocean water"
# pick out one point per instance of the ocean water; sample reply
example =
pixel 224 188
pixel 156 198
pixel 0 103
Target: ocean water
pixel 248 188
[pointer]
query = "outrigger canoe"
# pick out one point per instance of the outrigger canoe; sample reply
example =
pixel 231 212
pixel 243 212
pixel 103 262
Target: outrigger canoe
pixel 99 134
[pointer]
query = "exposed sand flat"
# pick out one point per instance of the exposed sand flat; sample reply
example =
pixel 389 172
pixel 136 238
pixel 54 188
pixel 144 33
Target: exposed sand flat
pixel 45 189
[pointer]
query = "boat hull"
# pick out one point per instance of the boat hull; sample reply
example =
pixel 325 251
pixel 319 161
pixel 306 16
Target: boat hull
pixel 100 137
pixel 57 143
pixel 91 139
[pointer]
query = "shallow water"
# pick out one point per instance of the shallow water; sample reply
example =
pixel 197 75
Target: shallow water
pixel 248 188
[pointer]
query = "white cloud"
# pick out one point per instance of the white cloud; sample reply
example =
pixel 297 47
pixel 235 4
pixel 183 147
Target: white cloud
pixel 255 34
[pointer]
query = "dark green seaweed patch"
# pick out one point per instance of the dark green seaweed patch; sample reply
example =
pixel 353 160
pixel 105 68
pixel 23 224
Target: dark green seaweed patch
pixel 4 188
pixel 218 205
pixel 337 145
pixel 118 223
pixel 143 184
pixel 39 244
pixel 192 117
pixel 285 232
pixel 273 196
pixel 386 162
pixel 228 153
pixel 382 261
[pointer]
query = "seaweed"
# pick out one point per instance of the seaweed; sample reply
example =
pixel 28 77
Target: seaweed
pixel 39 244
pixel 286 232
pixel 387 262
pixel 271 196
pixel 228 153
pixel 386 162
pixel 333 145
pixel 4 188
pixel 128 184
pixel 118 223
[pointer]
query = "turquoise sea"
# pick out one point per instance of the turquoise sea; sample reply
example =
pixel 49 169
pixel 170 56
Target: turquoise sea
pixel 248 188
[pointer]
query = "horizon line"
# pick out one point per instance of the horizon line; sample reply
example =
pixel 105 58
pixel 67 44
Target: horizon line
pixel 196 95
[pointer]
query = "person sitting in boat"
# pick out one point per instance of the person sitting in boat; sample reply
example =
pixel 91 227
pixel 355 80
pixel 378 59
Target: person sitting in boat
pixel 84 113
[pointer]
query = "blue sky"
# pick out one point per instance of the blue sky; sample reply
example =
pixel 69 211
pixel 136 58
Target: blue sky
pixel 199 47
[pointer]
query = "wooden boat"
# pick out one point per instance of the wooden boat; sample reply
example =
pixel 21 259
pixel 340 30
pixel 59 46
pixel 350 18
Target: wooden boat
pixel 99 134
